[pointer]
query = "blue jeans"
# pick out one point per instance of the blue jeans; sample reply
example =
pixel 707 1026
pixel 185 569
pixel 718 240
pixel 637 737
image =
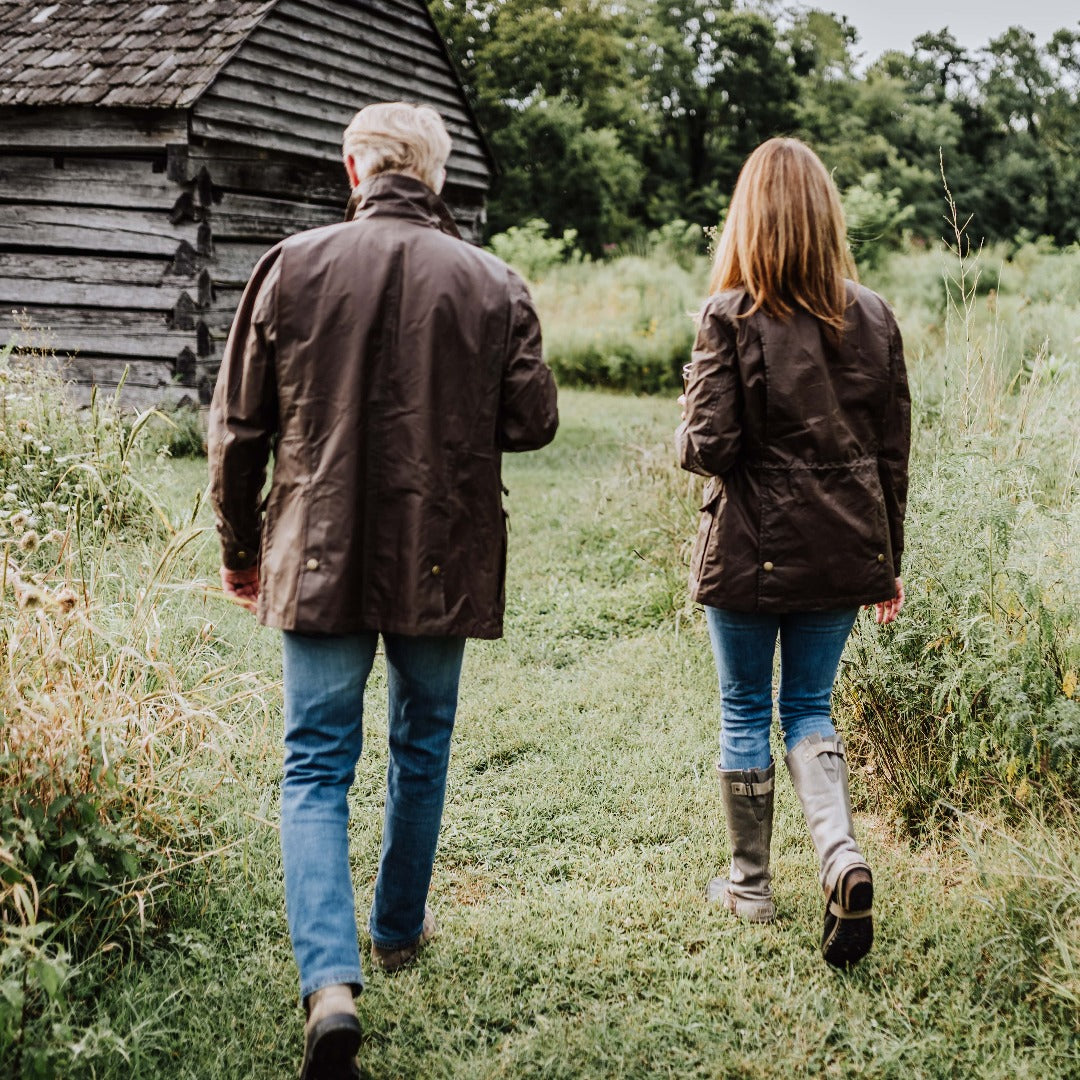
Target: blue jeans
pixel 743 646
pixel 324 706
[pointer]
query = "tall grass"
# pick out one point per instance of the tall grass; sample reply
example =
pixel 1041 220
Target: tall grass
pixel 111 741
pixel 970 700
pixel 625 324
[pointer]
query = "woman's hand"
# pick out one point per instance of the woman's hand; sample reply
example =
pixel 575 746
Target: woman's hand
pixel 241 586
pixel 887 610
pixel 686 368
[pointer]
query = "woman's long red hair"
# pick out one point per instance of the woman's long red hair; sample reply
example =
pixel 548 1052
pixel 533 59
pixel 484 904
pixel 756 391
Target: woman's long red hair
pixel 784 240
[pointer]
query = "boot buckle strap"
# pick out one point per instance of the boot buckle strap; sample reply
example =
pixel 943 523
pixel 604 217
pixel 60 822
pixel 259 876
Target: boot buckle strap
pixel 842 913
pixel 815 747
pixel 762 788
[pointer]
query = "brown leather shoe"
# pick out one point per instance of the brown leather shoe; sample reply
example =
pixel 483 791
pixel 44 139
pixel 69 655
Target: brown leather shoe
pixel 391 960
pixel 332 1036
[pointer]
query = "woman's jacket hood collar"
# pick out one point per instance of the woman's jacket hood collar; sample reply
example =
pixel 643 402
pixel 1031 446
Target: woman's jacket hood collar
pixel 400 196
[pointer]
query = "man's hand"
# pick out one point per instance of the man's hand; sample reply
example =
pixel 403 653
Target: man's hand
pixel 887 610
pixel 242 586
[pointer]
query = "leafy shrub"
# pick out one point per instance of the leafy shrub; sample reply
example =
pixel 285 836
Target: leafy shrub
pixel 681 242
pixel 875 219
pixel 531 251
pixel 972 694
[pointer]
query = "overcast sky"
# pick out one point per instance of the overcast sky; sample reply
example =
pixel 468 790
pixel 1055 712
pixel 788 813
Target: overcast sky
pixel 893 25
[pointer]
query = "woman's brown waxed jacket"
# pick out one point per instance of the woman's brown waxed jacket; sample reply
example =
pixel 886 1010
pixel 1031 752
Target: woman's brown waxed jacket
pixel 805 441
pixel 389 364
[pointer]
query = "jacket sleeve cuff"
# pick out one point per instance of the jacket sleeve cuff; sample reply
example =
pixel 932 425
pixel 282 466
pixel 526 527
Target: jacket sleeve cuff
pixel 240 558
pixel 237 554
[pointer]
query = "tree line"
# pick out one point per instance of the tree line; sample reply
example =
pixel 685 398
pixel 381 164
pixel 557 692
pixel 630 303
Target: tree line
pixel 616 118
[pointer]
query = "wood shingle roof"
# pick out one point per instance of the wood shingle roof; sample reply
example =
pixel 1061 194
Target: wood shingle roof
pixel 140 53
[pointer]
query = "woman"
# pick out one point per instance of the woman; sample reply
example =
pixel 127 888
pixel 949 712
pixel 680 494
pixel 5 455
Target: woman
pixel 797 409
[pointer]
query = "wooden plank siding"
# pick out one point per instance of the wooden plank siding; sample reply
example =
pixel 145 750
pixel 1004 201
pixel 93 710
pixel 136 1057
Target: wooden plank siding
pixel 110 231
pixel 250 170
pixel 25 128
pixel 303 72
pixel 104 182
pixel 100 261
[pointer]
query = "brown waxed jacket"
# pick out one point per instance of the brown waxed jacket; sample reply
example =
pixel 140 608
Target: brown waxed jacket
pixel 806 442
pixel 388 364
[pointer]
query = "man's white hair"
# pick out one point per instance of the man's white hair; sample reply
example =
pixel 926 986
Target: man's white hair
pixel 396 136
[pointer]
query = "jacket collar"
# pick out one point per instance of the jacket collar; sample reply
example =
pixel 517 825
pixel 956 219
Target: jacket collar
pixel 400 196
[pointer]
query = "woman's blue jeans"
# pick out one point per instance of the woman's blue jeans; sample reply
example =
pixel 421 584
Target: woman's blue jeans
pixel 324 707
pixel 744 645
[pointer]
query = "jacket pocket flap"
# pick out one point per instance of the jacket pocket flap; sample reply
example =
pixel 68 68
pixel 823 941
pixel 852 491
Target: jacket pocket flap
pixel 714 491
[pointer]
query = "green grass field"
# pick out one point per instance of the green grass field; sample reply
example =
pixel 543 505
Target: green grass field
pixel 581 826
pixel 582 821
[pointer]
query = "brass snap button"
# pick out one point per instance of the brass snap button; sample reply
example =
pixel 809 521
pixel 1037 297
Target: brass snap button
pixel 241 554
pixel 436 569
pixel 881 558
pixel 312 564
pixel 767 567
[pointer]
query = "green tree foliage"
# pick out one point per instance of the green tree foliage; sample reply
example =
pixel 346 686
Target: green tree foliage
pixel 614 118
pixel 568 173
pixel 718 84
pixel 551 86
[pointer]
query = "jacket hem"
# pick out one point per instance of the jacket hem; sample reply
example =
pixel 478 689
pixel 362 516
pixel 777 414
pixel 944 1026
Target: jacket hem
pixel 783 606
pixel 327 628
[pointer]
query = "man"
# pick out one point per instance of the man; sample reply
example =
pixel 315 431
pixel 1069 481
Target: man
pixel 389 364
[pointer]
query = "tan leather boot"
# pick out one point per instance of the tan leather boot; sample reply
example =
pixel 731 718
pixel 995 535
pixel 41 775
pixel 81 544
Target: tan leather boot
pixel 391 960
pixel 748 806
pixel 819 772
pixel 331 1036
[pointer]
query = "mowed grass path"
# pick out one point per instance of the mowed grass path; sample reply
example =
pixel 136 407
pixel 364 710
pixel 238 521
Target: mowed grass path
pixel 582 823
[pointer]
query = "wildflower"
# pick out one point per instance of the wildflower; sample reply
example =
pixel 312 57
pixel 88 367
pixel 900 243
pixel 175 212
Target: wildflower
pixel 66 599
pixel 29 541
pixel 55 536
pixel 10 497
pixel 19 521
pixel 28 596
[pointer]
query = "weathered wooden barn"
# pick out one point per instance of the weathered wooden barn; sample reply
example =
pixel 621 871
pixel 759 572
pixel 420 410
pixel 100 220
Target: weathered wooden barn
pixel 150 152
